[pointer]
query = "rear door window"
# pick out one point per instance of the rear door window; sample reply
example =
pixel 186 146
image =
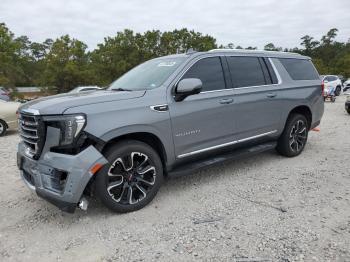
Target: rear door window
pixel 246 71
pixel 299 69
pixel 209 71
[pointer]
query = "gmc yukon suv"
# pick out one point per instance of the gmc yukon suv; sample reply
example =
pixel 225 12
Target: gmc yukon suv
pixel 168 116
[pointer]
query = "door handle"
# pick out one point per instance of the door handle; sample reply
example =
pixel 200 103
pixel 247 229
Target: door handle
pixel 226 101
pixel 271 95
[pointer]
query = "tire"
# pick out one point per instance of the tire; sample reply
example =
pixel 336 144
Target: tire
pixel 3 127
pixel 125 185
pixel 348 110
pixel 294 137
pixel 333 99
pixel 337 90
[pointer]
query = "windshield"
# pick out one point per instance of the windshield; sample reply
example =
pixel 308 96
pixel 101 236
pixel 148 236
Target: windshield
pixel 148 75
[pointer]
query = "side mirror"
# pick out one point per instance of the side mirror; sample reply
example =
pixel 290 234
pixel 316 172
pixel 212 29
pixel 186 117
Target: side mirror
pixel 187 87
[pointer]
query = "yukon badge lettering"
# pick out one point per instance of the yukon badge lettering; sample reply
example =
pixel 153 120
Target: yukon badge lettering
pixel 187 133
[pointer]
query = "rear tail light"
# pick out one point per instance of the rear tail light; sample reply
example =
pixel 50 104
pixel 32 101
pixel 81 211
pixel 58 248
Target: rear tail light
pixel 322 88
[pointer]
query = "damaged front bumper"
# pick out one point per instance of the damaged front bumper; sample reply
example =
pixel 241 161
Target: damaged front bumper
pixel 59 178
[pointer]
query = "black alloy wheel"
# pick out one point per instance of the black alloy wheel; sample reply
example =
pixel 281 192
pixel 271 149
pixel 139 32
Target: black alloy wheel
pixel 294 136
pixel 131 179
pixel 298 136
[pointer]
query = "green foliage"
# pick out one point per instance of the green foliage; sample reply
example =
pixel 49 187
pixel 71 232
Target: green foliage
pixel 329 56
pixel 119 54
pixel 64 63
pixel 271 47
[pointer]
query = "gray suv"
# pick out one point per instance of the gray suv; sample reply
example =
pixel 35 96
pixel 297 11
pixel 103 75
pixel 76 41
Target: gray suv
pixel 166 117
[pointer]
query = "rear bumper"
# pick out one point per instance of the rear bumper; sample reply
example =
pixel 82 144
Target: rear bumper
pixel 59 178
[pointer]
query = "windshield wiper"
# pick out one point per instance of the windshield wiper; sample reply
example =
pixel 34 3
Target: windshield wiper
pixel 121 89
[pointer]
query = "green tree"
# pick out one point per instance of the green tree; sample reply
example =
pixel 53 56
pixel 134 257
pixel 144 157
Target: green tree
pixel 119 54
pixel 309 44
pixel 329 37
pixel 11 70
pixel 272 47
pixel 65 62
pixel 66 65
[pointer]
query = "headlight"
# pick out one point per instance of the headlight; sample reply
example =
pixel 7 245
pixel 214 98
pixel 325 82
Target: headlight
pixel 70 126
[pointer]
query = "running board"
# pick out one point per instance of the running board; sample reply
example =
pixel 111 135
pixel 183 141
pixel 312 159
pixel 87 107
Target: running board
pixel 236 154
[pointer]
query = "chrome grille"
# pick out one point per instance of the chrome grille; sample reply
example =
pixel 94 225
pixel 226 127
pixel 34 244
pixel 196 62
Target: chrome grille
pixel 31 132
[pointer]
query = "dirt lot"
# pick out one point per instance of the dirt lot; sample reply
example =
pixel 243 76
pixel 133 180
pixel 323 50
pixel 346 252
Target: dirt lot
pixel 265 208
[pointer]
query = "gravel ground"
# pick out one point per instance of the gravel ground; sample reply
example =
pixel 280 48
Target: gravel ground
pixel 264 208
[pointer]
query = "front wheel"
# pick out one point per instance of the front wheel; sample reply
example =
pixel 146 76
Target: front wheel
pixel 293 139
pixel 3 128
pixel 132 177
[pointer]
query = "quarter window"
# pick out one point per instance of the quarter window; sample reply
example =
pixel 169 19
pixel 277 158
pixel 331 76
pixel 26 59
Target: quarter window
pixel 245 71
pixel 209 71
pixel 299 69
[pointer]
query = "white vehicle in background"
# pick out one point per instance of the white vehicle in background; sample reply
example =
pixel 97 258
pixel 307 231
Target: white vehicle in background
pixel 8 117
pixel 80 89
pixel 346 85
pixel 332 81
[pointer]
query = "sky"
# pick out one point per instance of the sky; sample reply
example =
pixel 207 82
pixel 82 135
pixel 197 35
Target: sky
pixel 245 22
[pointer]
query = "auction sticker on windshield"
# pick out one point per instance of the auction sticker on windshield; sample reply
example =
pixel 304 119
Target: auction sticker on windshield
pixel 167 63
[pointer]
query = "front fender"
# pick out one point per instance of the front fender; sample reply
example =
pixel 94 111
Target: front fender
pixel 165 137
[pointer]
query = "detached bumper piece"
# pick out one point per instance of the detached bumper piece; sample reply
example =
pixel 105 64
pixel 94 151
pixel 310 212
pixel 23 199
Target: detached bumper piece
pixel 59 178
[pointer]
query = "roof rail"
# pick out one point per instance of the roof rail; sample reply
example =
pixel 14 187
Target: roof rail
pixel 250 51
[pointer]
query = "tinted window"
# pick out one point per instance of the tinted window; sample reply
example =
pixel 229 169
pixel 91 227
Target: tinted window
pixel 209 71
pixel 265 71
pixel 245 71
pixel 299 69
pixel 271 71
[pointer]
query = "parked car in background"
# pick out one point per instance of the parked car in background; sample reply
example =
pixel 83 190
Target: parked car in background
pixel 4 94
pixel 166 117
pixel 8 116
pixel 84 89
pixel 346 85
pixel 332 81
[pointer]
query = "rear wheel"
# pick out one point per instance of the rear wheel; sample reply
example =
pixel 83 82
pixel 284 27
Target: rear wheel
pixel 3 127
pixel 293 139
pixel 131 179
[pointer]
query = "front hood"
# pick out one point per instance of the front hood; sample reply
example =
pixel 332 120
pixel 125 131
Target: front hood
pixel 57 104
